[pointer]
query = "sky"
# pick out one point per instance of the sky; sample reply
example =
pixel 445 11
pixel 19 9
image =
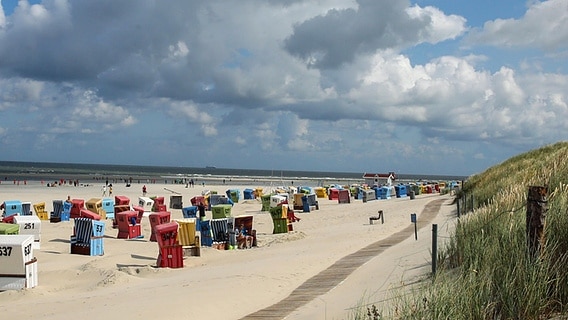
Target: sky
pixel 447 87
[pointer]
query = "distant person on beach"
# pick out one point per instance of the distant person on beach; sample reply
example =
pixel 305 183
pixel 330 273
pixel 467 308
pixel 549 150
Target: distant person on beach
pixel 144 190
pixel 110 190
pixel 104 190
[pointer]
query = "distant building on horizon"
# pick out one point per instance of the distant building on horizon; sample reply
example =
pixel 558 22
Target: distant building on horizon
pixel 379 178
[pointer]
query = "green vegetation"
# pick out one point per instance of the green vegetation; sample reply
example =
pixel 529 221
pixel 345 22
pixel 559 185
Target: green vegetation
pixel 485 271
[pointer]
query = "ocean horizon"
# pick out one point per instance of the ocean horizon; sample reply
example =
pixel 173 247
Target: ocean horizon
pixel 20 170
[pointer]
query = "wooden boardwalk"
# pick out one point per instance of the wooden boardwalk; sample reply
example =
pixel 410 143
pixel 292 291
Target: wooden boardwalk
pixel 326 280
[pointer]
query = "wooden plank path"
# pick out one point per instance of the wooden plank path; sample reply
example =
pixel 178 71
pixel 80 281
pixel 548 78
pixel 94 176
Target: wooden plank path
pixel 326 280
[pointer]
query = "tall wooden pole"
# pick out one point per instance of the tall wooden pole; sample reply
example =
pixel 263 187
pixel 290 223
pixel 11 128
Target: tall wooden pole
pixel 434 248
pixel 535 219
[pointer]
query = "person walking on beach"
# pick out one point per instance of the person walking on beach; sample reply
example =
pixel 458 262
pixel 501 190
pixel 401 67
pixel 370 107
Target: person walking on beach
pixel 110 190
pixel 104 190
pixel 144 190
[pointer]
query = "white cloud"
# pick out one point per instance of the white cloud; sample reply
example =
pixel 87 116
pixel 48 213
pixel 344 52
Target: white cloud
pixel 506 90
pixel 2 17
pixel 450 97
pixel 18 91
pixel 442 27
pixel 179 50
pixel 545 26
pixel 192 113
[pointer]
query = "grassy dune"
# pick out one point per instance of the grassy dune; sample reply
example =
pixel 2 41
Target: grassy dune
pixel 485 271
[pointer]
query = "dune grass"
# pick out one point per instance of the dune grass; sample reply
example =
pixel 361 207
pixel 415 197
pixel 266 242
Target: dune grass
pixel 485 271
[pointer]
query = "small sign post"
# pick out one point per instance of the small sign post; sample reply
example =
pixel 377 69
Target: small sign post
pixel 413 220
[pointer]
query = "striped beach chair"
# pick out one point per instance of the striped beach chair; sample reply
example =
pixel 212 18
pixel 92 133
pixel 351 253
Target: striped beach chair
pixel 55 215
pixel 88 237
pixel 220 230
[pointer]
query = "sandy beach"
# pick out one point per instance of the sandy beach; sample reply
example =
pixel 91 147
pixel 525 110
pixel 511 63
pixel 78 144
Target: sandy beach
pixel 125 283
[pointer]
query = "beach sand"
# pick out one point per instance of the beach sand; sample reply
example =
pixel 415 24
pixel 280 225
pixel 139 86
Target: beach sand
pixel 125 283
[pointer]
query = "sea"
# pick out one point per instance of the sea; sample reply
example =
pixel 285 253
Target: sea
pixel 86 173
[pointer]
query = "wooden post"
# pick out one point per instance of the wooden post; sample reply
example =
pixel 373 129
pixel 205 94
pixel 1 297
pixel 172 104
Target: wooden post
pixel 413 220
pixel 464 203
pixel 535 219
pixel 434 248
